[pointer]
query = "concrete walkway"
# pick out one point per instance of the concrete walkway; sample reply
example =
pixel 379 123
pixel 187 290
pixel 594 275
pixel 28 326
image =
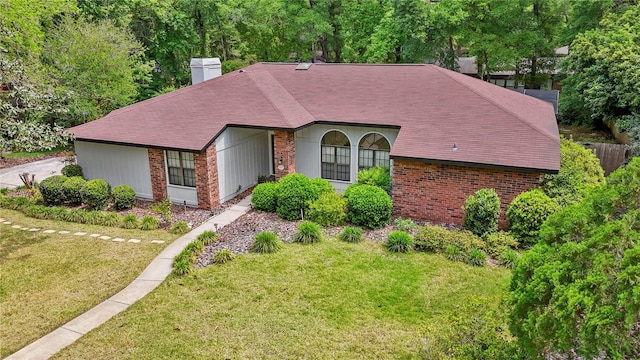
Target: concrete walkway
pixel 150 278
pixel 10 177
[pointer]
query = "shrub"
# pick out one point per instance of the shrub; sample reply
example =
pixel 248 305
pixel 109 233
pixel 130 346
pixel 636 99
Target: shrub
pixel 95 193
pixel 72 189
pixel 308 233
pixel 130 221
pixel 111 219
pixel 369 206
pixel 163 208
pixel 74 215
pixel 294 193
pixel 52 190
pixel 527 212
pixel 453 253
pixel 124 197
pixel 376 176
pixel 179 228
pixel 481 212
pixel 476 257
pixel 208 237
pixel 351 234
pixel 182 265
pixel 149 223
pixel 194 249
pixel 580 171
pixel 322 186
pixel 222 256
pixel 399 241
pixel 329 209
pixel 36 211
pixel 405 224
pixel 266 242
pixel 72 170
pixel 18 203
pixel 498 242
pixel 93 217
pixel 431 238
pixel 265 197
pixel 508 258
pixel 350 189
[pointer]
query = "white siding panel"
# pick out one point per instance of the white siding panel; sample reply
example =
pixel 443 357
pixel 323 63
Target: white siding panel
pixel 308 148
pixel 242 155
pixel 180 194
pixel 117 164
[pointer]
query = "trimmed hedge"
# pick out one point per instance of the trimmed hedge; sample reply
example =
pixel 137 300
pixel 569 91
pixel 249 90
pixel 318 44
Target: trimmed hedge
pixel 124 197
pixel 481 212
pixel 52 190
pixel 95 193
pixel 72 170
pixel 369 206
pixel 295 191
pixel 72 189
pixel 265 197
pixel 527 212
pixel 322 186
pixel 329 209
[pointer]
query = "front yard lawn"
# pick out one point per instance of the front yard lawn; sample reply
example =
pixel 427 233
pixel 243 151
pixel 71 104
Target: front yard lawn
pixel 331 300
pixel 48 279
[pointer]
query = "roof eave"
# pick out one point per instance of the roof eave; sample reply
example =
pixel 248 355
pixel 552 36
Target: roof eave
pixel 476 165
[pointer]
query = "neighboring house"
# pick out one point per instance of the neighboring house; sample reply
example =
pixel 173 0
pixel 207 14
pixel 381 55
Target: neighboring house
pixel 444 134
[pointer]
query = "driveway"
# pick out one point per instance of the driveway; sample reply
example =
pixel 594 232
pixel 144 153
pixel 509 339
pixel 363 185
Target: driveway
pixel 10 177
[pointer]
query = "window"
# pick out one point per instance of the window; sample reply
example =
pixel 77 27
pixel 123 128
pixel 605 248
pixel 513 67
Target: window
pixel 182 168
pixel 373 150
pixel 335 156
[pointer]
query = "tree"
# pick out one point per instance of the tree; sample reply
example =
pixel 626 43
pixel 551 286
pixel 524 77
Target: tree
pixel 578 290
pixel 100 63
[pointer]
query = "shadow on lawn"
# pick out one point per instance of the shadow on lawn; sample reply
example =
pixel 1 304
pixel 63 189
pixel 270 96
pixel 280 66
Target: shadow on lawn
pixel 16 240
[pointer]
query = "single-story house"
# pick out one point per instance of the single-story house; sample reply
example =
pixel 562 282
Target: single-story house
pixel 444 135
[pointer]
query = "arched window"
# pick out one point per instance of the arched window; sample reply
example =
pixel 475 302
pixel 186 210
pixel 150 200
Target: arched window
pixel 335 156
pixel 373 150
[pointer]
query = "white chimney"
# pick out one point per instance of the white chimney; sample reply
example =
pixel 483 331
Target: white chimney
pixel 205 69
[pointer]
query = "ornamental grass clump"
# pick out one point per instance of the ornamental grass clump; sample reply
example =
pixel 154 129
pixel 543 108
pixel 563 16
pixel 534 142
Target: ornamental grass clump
pixel 130 221
pixel 208 237
pixel 351 234
pixel 399 241
pixel 222 256
pixel 266 242
pixel 308 233
pixel 179 228
pixel 476 257
pixel 149 223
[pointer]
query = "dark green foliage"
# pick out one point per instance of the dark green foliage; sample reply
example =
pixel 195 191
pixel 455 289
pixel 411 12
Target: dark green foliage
pixel 295 191
pixel 179 228
pixel 369 206
pixel 72 170
pixel 508 258
pixel 405 224
pixel 208 237
pixel 328 210
pixel 124 197
pixel 183 262
pixel 580 171
pixel 577 289
pixel 476 257
pixel 498 242
pixel 95 193
pixel 527 212
pixel 163 208
pixel 481 212
pixel 72 189
pixel 130 221
pixel 222 256
pixel 149 223
pixel 308 233
pixel 111 219
pixel 322 186
pixel 399 241
pixel 376 176
pixel 351 234
pixel 266 242
pixel 265 197
pixel 52 190
pixel 36 211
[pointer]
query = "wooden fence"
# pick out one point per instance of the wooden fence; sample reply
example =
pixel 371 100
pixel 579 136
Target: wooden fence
pixel 611 156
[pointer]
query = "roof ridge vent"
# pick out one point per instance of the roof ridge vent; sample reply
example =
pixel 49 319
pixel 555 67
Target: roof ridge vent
pixel 304 66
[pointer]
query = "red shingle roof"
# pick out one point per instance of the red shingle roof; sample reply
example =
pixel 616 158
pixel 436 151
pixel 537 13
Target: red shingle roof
pixel 433 107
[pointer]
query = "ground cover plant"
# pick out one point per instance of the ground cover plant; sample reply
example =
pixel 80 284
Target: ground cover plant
pixel 48 279
pixel 330 300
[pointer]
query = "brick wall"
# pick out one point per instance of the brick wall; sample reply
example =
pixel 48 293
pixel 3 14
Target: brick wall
pixel 158 174
pixel 437 192
pixel 207 178
pixel 285 147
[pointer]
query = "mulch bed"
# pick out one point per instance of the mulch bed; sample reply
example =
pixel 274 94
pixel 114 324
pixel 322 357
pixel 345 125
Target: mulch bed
pixel 7 163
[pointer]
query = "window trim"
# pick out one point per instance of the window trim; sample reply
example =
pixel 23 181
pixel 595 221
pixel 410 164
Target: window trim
pixel 358 147
pixel 181 169
pixel 349 147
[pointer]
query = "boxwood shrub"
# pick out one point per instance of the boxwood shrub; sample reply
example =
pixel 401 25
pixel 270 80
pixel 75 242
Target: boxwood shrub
pixel 329 209
pixel 52 190
pixel 295 191
pixel 72 189
pixel 322 186
pixel 95 193
pixel 265 197
pixel 72 170
pixel 527 212
pixel 369 206
pixel 481 212
pixel 124 197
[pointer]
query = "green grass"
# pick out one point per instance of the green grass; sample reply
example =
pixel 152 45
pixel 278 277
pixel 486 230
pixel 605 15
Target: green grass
pixel 16 155
pixel 48 279
pixel 333 300
pixel 586 134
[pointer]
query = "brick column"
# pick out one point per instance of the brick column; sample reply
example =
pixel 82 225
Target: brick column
pixel 285 149
pixel 207 179
pixel 158 174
